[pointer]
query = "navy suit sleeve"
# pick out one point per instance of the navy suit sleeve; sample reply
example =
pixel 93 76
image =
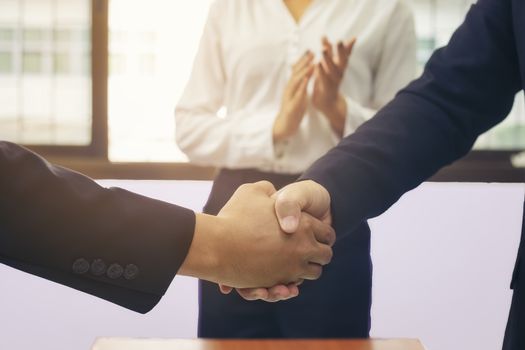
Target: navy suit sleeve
pixel 51 217
pixel 467 87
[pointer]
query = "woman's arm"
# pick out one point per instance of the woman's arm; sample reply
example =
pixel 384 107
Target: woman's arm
pixel 396 67
pixel 243 138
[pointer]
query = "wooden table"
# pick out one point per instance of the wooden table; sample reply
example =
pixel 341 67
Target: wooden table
pixel 198 344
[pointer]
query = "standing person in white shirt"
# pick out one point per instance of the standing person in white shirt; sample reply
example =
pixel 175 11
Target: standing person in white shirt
pixel 291 82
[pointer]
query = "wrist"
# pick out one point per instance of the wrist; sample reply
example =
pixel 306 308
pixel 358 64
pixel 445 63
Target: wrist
pixel 277 131
pixel 281 129
pixel 336 114
pixel 202 260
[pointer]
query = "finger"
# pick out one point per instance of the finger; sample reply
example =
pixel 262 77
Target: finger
pixel 323 233
pixel 327 52
pixel 288 208
pixel 282 292
pixel 305 71
pixel 344 50
pixel 225 289
pixel 327 45
pixel 322 76
pixel 273 294
pixel 298 79
pixel 342 56
pixel 298 283
pixel 322 255
pixel 251 294
pixel 319 85
pixel 312 271
pixel 332 71
pixel 265 187
pixel 295 79
pixel 294 289
pixel 306 196
pixel 350 46
pixel 316 71
pixel 303 61
pixel 279 292
pixel 301 91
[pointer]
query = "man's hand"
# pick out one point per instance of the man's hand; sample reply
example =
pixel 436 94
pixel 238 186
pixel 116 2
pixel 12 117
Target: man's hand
pixel 295 99
pixel 291 203
pixel 244 246
pixel 329 74
pixel 303 196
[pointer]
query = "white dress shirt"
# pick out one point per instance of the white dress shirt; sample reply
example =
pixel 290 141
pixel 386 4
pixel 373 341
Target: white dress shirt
pixel 244 62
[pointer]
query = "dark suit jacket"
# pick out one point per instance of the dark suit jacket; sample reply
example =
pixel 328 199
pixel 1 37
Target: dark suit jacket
pixel 110 243
pixel 467 87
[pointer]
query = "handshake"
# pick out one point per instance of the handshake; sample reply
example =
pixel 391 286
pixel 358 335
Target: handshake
pixel 264 243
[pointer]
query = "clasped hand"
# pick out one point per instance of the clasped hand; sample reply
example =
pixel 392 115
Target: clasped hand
pixel 302 212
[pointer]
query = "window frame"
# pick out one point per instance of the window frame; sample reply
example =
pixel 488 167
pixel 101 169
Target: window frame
pixel 98 148
pixel 477 166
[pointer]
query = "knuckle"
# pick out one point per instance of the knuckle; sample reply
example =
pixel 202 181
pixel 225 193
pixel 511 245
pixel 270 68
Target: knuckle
pixel 244 187
pixel 325 236
pixel 249 295
pixel 303 249
pixel 329 236
pixel 329 256
pixel 307 223
pixel 316 271
pixel 265 183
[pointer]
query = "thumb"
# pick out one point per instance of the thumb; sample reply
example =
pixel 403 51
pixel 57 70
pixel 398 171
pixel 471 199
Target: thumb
pixel 307 196
pixel 288 210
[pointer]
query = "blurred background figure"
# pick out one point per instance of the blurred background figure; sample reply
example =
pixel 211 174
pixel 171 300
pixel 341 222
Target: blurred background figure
pixel 276 84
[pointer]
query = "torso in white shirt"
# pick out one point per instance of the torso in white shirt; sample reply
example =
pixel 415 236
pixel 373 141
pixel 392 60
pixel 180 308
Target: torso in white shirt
pixel 253 46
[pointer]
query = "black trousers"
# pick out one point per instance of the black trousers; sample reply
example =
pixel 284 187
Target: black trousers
pixel 515 332
pixel 335 306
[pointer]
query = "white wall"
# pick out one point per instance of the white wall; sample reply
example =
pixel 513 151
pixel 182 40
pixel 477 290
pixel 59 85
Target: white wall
pixel 443 262
pixel 443 259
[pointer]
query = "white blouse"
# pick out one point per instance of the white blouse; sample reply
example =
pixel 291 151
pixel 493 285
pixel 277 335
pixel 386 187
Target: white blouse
pixel 226 114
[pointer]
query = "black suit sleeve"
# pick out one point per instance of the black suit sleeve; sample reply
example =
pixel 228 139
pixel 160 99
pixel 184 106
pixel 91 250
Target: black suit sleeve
pixel 467 87
pixel 108 242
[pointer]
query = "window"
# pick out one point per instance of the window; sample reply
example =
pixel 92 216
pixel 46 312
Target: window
pixel 32 63
pixel 6 63
pixel 152 45
pixel 6 48
pixel 151 57
pixel 45 81
pixel 436 20
pixel 102 77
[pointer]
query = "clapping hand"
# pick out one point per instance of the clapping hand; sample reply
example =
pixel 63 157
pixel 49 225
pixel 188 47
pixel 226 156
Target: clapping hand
pixel 329 74
pixel 295 99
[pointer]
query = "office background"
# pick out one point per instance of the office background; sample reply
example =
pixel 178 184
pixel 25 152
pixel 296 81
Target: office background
pixel 93 83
